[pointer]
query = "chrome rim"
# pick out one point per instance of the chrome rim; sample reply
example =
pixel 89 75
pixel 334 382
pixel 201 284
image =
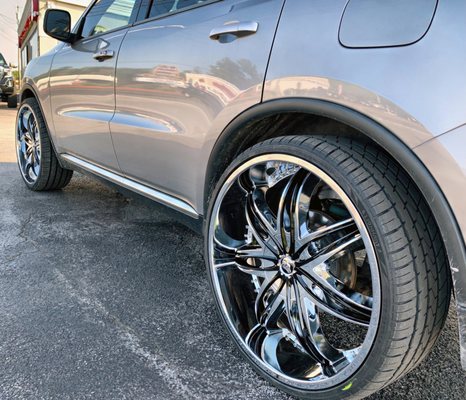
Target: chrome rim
pixel 28 144
pixel 294 270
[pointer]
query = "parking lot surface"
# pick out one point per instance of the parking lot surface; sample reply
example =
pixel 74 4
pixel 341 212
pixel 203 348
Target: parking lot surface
pixel 102 297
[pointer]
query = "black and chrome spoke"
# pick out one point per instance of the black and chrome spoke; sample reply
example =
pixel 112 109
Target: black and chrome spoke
pixel 28 144
pixel 286 245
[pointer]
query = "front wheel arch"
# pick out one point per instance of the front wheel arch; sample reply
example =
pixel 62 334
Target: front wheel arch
pixel 27 92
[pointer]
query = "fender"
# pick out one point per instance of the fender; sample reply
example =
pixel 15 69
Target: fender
pixel 241 129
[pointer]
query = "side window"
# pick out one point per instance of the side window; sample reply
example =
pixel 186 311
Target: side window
pixel 106 15
pixel 160 7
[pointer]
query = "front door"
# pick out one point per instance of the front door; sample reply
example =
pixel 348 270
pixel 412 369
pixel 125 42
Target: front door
pixel 191 64
pixel 82 82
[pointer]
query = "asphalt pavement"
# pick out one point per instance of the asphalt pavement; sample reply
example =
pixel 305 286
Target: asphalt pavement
pixel 102 297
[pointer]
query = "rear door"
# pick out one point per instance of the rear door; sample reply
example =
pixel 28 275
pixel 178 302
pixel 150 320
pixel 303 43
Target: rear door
pixel 82 82
pixel 190 65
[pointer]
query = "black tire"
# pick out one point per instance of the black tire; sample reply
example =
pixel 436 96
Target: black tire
pixel 414 272
pixel 12 101
pixel 52 176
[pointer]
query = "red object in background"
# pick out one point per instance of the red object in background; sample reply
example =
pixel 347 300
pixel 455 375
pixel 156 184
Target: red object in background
pixel 31 17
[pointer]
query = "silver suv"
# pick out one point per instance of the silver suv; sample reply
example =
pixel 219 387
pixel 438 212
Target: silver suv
pixel 320 146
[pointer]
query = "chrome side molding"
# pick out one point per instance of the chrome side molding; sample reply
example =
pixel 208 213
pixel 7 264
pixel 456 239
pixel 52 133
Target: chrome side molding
pixel 153 194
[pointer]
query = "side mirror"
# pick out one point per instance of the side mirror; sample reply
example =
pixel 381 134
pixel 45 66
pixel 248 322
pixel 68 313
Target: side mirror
pixel 57 24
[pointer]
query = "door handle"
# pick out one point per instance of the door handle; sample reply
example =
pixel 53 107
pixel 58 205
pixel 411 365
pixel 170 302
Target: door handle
pixel 239 29
pixel 103 55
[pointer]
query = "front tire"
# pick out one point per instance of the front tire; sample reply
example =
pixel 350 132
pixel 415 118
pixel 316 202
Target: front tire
pixel 36 157
pixel 326 265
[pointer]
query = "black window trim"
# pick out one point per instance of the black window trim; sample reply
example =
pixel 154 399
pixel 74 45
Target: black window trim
pixel 169 14
pixel 137 22
pixel 79 25
pixel 143 13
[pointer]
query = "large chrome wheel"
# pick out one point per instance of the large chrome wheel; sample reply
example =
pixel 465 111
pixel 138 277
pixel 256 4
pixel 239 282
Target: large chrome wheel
pixel 321 254
pixel 28 144
pixel 37 161
pixel 295 270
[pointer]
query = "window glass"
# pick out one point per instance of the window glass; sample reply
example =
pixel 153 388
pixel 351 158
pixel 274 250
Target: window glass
pixel 160 7
pixel 2 61
pixel 106 15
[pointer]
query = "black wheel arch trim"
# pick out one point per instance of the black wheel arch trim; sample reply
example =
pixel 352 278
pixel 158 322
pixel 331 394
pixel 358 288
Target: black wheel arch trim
pixel 448 225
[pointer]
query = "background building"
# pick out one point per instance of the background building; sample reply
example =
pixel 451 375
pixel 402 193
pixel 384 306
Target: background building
pixel 32 40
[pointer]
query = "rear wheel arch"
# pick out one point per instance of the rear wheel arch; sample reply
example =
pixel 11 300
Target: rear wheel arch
pixel 272 118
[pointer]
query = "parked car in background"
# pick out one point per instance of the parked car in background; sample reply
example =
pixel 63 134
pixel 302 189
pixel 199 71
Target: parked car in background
pixel 319 146
pixel 7 84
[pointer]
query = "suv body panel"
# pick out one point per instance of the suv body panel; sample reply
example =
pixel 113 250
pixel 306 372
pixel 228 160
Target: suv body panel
pixel 36 82
pixel 83 94
pixel 176 103
pixel 402 88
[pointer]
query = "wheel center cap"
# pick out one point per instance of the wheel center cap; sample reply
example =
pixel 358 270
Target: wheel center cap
pixel 287 266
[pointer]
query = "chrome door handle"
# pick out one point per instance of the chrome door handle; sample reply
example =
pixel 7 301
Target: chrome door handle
pixel 239 29
pixel 103 55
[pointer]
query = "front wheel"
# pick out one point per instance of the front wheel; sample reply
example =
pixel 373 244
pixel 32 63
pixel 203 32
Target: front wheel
pixel 326 265
pixel 36 157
